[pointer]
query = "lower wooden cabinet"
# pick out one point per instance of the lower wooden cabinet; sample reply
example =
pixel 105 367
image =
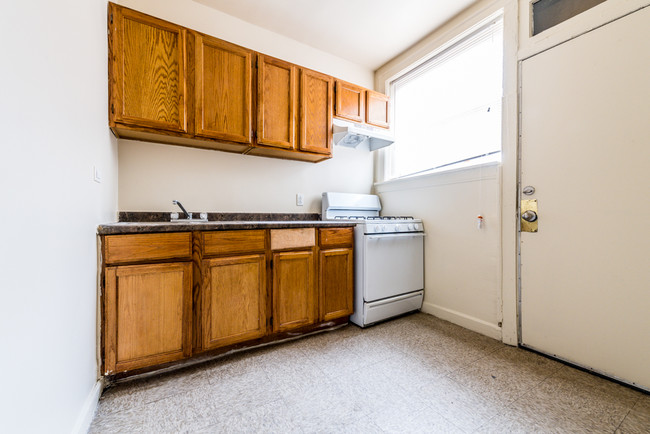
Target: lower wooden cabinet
pixel 171 296
pixel 233 300
pixel 294 290
pixel 336 283
pixel 147 312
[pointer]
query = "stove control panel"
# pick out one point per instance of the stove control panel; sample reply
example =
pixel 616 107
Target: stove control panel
pixel 392 227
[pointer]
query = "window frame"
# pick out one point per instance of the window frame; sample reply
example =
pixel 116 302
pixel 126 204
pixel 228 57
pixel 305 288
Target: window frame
pixel 446 48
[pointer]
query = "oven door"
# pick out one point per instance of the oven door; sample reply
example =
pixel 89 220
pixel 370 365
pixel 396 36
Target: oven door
pixel 393 265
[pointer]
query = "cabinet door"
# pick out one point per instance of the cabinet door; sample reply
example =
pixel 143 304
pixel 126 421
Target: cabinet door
pixel 350 101
pixel 147 312
pixel 233 300
pixel 377 109
pixel 276 103
pixel 315 112
pixel 148 72
pixel 336 283
pixel 294 290
pixel 223 90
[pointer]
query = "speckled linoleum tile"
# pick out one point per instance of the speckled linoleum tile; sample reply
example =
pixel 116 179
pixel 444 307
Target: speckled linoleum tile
pixel 637 421
pixel 416 374
pixel 505 374
pixel 568 401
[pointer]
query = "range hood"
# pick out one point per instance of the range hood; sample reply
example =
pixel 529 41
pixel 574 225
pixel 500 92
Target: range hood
pixel 352 135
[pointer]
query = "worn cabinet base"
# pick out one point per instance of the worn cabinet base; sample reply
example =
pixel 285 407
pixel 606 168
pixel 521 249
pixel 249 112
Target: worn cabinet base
pixel 179 297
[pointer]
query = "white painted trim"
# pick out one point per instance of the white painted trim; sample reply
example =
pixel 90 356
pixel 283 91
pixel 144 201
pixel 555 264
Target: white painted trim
pixel 590 19
pixel 473 173
pixel 469 322
pixel 87 413
pixel 509 175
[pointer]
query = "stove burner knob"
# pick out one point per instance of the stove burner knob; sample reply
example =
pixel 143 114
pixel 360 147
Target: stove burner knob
pixel 383 228
pixel 398 228
pixel 411 227
pixel 377 229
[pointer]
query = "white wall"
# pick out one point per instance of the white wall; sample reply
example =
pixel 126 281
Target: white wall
pixel 54 129
pixel 463 265
pixel 462 262
pixel 152 175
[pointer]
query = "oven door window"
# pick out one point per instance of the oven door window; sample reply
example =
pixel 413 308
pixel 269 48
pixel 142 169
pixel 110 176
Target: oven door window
pixel 394 265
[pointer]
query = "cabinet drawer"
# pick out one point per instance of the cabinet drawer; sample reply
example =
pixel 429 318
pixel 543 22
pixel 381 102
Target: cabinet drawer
pixel 226 242
pixel 121 249
pixel 336 237
pixel 292 238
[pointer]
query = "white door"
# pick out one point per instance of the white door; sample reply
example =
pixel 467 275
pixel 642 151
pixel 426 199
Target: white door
pixel 585 148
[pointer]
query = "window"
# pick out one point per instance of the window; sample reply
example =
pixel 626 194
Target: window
pixel 549 13
pixel 448 109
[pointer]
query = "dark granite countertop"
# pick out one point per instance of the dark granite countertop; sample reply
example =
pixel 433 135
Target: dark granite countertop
pixel 140 228
pixel 143 223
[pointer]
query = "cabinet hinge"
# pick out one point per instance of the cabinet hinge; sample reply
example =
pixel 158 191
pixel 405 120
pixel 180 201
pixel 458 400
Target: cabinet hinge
pixel 271 321
pixel 257 63
pixel 111 18
pixel 271 264
pixel 112 109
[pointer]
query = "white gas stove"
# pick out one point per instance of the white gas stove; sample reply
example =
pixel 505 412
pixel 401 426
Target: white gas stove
pixel 363 209
pixel 385 224
pixel 389 257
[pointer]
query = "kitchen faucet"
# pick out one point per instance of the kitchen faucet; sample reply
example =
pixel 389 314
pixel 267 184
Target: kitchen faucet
pixel 187 214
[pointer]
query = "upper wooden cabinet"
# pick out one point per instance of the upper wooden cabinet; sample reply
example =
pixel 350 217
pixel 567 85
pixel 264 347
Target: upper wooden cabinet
pixel 147 71
pixel 377 109
pixel 316 91
pixel 170 84
pixel 276 102
pixel 223 99
pixel 350 101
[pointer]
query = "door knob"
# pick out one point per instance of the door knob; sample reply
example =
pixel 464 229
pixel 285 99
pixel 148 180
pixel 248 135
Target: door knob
pixel 529 216
pixel 528 210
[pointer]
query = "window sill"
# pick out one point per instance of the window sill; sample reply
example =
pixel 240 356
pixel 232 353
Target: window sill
pixel 476 170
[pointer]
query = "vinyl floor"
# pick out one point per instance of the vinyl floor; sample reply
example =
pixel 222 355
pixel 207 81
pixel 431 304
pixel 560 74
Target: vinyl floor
pixel 415 374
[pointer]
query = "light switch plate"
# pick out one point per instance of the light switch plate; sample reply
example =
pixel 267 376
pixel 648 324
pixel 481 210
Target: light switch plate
pixel 300 199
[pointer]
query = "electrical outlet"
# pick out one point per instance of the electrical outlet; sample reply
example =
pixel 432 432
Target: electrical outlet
pixel 300 199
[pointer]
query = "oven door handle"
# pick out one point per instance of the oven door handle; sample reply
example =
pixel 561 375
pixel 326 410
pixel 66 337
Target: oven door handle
pixel 395 235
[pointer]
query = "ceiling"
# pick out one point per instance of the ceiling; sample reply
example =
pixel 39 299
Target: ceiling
pixel 366 32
